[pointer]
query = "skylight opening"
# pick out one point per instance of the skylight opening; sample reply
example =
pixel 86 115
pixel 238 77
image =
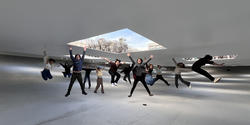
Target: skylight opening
pixel 121 41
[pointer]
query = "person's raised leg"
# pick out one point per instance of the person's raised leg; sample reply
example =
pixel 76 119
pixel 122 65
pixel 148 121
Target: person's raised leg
pixel 72 80
pixel 129 78
pixel 89 81
pixel 133 88
pixel 117 77
pixel 176 80
pixel 97 85
pixel 79 79
pixel 184 81
pixel 204 73
pixel 146 87
pixel 166 82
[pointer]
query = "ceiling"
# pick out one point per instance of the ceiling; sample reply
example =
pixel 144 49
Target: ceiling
pixel 188 28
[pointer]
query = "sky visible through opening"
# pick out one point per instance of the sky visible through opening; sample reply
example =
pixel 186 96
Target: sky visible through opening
pixel 121 41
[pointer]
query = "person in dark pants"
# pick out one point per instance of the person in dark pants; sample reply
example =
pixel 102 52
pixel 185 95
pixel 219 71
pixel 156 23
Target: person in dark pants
pixel 180 67
pixel 196 67
pixel 87 75
pixel 139 74
pixel 126 72
pixel 48 63
pixel 159 76
pixel 77 67
pixel 67 68
pixel 115 76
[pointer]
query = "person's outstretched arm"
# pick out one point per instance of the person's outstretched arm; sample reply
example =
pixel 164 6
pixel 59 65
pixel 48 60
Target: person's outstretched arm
pixel 62 65
pixel 174 61
pixel 217 64
pixel 107 59
pixel 70 53
pixel 83 53
pixel 45 57
pixel 129 55
pixel 151 57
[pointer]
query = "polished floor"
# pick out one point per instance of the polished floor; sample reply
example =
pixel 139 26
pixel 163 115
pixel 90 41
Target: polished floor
pixel 31 101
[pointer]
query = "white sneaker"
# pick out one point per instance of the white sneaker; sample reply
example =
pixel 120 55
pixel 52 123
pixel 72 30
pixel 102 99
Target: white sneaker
pixel 112 84
pixel 115 84
pixel 190 86
pixel 217 80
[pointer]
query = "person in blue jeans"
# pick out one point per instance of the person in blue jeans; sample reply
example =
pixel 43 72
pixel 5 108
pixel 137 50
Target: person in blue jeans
pixel 47 67
pixel 87 75
pixel 77 68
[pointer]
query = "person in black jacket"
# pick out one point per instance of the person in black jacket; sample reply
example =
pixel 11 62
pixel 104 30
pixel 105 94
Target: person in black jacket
pixel 203 61
pixel 87 75
pixel 77 68
pixel 115 76
pixel 67 68
pixel 126 72
pixel 139 72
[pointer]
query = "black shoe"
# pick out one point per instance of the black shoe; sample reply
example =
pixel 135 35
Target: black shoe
pixel 129 95
pixel 84 93
pixel 67 94
pixel 151 95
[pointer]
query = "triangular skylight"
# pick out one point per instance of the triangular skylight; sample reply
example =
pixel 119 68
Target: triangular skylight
pixel 121 41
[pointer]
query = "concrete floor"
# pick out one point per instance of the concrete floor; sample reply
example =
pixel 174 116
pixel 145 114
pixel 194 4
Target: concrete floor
pixel 25 99
pixel 31 101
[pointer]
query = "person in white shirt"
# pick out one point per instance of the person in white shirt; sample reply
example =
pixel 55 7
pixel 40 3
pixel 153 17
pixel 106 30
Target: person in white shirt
pixel 48 63
pixel 180 67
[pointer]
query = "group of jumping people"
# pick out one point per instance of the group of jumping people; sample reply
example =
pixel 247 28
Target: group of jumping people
pixel 142 72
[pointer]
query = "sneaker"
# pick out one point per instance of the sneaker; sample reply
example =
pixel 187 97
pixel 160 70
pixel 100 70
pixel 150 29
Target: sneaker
pixel 67 95
pixel 129 95
pixel 151 95
pixel 95 91
pixel 190 86
pixel 112 84
pixel 84 93
pixel 217 80
pixel 115 84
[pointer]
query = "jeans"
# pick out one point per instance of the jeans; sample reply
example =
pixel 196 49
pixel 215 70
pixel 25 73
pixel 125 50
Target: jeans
pixel 46 74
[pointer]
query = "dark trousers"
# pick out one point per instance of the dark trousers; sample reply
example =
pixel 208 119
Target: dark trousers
pixel 87 77
pixel 99 83
pixel 203 72
pixel 113 75
pixel 127 76
pixel 65 74
pixel 161 78
pixel 46 74
pixel 75 76
pixel 137 79
pixel 178 77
